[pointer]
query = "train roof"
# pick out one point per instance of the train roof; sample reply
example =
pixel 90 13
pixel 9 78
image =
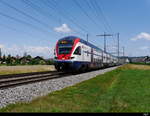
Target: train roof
pixel 85 42
pixel 69 38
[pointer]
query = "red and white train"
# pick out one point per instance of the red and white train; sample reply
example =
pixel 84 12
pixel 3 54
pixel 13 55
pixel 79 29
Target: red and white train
pixel 75 54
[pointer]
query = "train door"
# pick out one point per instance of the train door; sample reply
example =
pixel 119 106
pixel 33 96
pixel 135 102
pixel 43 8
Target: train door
pixel 92 58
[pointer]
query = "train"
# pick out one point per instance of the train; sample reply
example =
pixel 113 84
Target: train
pixel 75 54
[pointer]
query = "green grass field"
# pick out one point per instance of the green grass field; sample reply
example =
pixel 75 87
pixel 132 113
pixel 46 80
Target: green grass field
pixel 126 89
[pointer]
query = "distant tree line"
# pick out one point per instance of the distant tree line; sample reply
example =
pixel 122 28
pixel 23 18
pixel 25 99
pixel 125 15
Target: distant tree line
pixel 25 60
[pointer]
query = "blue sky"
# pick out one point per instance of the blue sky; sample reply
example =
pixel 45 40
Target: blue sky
pixel 34 26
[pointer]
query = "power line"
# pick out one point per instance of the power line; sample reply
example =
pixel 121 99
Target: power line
pixel 85 13
pixel 22 22
pixel 74 7
pixel 91 5
pixel 72 19
pixel 23 32
pixel 99 12
pixel 64 15
pixel 16 30
pixel 25 14
pixel 42 12
pixel 39 10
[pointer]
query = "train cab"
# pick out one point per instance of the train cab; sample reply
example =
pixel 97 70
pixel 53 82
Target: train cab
pixel 66 52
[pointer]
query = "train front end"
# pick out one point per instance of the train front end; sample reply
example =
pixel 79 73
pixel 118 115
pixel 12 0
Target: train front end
pixel 64 58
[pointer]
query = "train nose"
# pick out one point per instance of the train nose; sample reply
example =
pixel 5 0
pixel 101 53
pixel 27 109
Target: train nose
pixel 64 57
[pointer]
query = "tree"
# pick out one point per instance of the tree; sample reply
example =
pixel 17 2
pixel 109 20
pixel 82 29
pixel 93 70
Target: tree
pixel 29 56
pixel 17 61
pixel 4 58
pixel 9 60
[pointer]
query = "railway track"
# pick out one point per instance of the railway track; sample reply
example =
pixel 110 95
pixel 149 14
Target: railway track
pixel 7 81
pixel 13 80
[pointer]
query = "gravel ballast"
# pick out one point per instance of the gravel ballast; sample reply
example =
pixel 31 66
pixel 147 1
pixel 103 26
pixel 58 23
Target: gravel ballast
pixel 27 93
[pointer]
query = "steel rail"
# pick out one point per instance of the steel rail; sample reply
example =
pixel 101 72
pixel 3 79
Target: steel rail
pixel 15 81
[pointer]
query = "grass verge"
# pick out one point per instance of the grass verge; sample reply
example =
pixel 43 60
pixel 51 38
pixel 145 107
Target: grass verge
pixel 126 89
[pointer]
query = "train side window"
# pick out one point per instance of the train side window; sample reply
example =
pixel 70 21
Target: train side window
pixel 87 53
pixel 78 51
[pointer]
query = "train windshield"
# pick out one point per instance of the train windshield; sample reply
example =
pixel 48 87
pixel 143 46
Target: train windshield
pixel 65 50
pixel 65 46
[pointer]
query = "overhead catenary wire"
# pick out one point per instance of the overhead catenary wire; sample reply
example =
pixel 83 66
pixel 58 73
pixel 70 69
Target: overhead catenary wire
pixel 87 15
pixel 17 30
pixel 97 5
pixel 29 34
pixel 103 16
pixel 53 5
pixel 70 14
pixel 22 22
pixel 61 11
pixel 38 9
pixel 99 8
pixel 25 14
pixel 95 13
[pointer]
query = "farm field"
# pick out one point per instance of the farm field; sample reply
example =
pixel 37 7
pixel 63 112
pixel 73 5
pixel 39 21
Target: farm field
pixel 126 89
pixel 25 69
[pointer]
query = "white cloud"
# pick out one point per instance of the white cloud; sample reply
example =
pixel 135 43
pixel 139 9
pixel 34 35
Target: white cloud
pixel 2 46
pixel 142 35
pixel 144 48
pixel 37 49
pixel 63 29
pixel 43 51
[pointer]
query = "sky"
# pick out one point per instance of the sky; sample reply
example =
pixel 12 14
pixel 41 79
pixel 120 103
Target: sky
pixel 34 26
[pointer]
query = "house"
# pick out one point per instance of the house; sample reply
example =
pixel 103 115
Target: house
pixel 25 60
pixel 142 59
pixel 39 60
